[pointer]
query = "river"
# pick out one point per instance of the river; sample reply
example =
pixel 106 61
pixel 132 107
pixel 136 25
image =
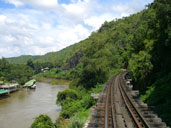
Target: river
pixel 20 109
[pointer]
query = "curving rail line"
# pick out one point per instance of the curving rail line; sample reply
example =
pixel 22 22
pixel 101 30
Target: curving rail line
pixel 110 119
pixel 110 109
pixel 138 119
pixel 116 108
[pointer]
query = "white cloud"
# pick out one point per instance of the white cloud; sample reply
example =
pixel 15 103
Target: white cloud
pixel 122 8
pixel 11 51
pixel 36 36
pixel 124 14
pixel 76 12
pixel 2 18
pixel 44 4
pixel 74 9
pixel 9 38
pixel 51 26
pixel 15 2
pixel 49 4
pixel 73 34
pixel 97 21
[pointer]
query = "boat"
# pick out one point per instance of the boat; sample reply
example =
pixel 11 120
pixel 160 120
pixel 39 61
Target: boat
pixel 31 84
pixel 10 87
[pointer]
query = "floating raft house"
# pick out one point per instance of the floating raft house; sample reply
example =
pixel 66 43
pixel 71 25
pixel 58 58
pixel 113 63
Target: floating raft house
pixel 30 83
pixel 2 91
pixel 10 87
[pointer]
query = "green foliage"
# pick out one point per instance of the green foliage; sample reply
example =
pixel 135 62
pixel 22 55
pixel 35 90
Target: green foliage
pixel 30 63
pixel 159 96
pixel 162 45
pixel 93 73
pixel 56 58
pixel 97 89
pixel 66 94
pixel 147 93
pixel 115 71
pixel 54 73
pixel 18 72
pixel 37 67
pixel 76 102
pixel 70 107
pixel 51 81
pixel 42 121
pixel 87 101
pixel 78 120
pixel 140 66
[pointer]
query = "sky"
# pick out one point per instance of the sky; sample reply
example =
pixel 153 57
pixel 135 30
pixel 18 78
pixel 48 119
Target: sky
pixel 36 27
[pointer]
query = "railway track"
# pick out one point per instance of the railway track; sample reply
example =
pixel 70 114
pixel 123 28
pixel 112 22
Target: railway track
pixel 117 108
pixel 138 119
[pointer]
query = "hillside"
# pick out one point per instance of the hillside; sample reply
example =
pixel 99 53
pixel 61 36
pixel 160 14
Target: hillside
pixel 22 59
pixel 55 57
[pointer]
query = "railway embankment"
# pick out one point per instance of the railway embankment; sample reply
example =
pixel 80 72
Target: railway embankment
pixel 119 106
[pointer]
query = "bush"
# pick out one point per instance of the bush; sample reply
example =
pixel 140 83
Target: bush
pixel 77 121
pixel 77 100
pixel 70 107
pixel 42 121
pixel 68 93
pixel 87 102
pixel 159 95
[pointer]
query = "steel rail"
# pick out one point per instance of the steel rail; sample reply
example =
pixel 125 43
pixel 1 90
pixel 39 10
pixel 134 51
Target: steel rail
pixel 106 108
pixel 113 105
pixel 110 98
pixel 137 117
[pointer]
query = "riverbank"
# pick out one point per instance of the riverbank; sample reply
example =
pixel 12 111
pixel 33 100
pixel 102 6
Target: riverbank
pixel 76 104
pixel 52 81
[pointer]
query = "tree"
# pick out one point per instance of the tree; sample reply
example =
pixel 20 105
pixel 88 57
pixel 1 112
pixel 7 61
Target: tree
pixel 30 63
pixel 140 66
pixel 162 45
pixel 37 67
pixel 94 71
pixel 42 121
pixel 17 72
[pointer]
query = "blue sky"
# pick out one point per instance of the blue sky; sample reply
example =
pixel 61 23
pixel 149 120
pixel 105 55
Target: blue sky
pixel 36 27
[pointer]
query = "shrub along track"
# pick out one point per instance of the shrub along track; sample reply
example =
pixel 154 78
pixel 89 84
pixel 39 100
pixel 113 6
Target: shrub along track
pixel 117 107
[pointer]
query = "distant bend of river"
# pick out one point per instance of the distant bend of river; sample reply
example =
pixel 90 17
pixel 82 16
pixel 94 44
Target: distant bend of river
pixel 20 109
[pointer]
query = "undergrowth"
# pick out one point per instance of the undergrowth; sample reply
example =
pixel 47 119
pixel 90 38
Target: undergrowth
pixel 159 95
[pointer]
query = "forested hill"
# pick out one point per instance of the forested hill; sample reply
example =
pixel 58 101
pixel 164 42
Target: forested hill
pixel 54 57
pixel 141 43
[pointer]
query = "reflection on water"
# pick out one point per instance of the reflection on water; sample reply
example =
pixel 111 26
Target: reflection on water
pixel 20 109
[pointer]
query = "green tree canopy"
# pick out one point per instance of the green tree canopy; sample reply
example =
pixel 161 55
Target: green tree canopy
pixel 42 121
